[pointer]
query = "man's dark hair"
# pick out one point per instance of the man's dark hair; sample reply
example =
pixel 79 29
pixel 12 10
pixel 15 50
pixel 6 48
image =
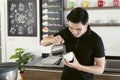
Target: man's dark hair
pixel 78 15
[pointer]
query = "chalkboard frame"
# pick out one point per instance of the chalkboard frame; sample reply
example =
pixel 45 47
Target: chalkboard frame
pixel 51 7
pixel 25 25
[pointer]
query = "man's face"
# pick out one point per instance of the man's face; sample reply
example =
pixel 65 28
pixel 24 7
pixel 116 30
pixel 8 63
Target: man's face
pixel 77 29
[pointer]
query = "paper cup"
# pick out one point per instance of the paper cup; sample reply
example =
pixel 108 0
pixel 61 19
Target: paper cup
pixel 69 56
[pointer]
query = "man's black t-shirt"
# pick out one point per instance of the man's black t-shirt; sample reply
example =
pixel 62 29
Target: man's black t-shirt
pixel 85 48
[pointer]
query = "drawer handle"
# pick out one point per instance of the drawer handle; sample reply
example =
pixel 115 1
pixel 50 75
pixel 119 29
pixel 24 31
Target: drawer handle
pixel 116 75
pixel 45 70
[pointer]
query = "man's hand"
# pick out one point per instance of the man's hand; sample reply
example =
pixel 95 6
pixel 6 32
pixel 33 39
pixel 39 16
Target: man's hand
pixel 58 40
pixel 75 64
pixel 52 40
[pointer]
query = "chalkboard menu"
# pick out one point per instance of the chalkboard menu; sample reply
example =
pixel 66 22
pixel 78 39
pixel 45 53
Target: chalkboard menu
pixel 51 17
pixel 22 18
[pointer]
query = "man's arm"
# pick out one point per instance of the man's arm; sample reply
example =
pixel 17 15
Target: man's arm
pixel 52 40
pixel 47 40
pixel 98 68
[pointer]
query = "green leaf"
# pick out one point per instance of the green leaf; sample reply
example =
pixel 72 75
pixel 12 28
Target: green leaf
pixel 21 57
pixel 19 49
pixel 14 57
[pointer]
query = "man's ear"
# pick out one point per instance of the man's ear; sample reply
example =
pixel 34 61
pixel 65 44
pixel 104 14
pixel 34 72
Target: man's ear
pixel 87 24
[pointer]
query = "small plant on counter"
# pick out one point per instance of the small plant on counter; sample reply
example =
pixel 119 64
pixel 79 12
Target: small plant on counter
pixel 22 58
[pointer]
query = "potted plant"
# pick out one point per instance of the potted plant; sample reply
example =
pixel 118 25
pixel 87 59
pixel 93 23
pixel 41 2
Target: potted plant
pixel 22 58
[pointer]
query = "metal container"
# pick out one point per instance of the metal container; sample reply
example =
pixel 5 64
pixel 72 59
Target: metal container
pixel 8 71
pixel 58 49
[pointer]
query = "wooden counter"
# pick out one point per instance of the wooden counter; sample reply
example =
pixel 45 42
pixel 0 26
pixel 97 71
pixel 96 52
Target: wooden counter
pixel 54 72
pixel 47 72
pixel 42 74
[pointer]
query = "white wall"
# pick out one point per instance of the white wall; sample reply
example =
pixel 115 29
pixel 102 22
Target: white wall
pixel 2 9
pixel 110 35
pixel 110 38
pixel 32 43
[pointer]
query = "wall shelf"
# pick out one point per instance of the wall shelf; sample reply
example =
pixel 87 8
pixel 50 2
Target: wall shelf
pixel 94 8
pixel 102 25
pixel 111 24
pixel 106 24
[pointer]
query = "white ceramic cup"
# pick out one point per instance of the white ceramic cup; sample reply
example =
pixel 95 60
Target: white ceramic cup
pixel 69 56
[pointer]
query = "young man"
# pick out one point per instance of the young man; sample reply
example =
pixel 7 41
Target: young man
pixel 87 46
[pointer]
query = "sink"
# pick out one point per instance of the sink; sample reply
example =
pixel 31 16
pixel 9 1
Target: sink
pixel 112 65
